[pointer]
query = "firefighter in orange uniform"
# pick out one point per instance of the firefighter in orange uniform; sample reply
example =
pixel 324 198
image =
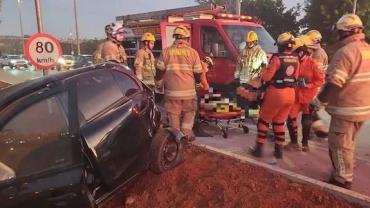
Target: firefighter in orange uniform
pixel 280 77
pixel 310 80
pixel 180 68
pixel 321 58
pixel 144 61
pixel 112 49
pixel 346 96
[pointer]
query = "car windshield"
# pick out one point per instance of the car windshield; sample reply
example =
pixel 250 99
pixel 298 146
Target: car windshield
pixel 68 57
pixel 236 34
pixel 14 57
pixel 88 57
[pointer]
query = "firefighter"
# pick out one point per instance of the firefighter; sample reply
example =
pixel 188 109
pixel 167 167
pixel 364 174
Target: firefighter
pixel 179 66
pixel 310 79
pixel 345 96
pixel 145 62
pixel 207 64
pixel 97 59
pixel 112 50
pixel 249 65
pixel 319 54
pixel 280 77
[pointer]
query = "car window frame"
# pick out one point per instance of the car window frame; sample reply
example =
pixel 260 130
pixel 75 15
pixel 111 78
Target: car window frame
pixel 21 104
pixel 82 119
pixel 138 83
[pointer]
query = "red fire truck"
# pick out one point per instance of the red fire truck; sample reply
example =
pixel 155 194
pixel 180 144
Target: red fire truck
pixel 213 33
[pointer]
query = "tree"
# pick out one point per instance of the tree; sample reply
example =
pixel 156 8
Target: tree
pixel 323 14
pixel 274 15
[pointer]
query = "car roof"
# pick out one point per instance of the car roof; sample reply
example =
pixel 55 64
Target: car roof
pixel 9 94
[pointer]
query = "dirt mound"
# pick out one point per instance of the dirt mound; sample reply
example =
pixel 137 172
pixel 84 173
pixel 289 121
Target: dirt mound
pixel 208 179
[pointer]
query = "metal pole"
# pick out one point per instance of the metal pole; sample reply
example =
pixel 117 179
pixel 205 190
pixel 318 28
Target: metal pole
pixel 354 6
pixel 21 24
pixel 76 24
pixel 237 6
pixel 40 27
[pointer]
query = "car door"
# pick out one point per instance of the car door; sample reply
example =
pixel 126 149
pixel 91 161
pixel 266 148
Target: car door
pixel 40 158
pixel 143 112
pixel 108 125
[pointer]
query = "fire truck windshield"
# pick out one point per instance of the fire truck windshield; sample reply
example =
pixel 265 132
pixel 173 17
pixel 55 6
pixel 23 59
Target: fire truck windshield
pixel 236 34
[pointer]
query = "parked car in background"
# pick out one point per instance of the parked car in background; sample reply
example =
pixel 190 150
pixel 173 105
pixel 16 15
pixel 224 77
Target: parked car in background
pixel 14 61
pixel 65 62
pixel 83 60
pixel 4 61
pixel 72 139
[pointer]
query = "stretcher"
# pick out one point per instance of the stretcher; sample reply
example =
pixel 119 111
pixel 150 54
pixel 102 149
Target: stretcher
pixel 225 114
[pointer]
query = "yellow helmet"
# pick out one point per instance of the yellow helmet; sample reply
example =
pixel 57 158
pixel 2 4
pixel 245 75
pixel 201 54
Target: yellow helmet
pixel 148 37
pixel 297 43
pixel 349 22
pixel 285 38
pixel 307 41
pixel 251 36
pixel 315 35
pixel 182 30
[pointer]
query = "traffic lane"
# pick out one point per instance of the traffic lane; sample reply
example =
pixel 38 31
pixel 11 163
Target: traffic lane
pixel 15 76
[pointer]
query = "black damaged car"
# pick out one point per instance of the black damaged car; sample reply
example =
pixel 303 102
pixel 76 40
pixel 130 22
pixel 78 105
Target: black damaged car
pixel 74 138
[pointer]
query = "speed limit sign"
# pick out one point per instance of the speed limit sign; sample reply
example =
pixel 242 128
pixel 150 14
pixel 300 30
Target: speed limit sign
pixel 43 50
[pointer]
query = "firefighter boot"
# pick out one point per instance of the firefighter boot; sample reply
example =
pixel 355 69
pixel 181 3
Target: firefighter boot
pixel 278 151
pixel 256 151
pixel 319 127
pixel 306 126
pixel 198 130
pixel 292 128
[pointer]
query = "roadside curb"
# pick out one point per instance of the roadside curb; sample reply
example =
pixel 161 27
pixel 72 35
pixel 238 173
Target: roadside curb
pixel 348 195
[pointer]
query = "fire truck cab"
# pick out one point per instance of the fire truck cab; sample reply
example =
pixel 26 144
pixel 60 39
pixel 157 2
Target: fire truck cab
pixel 214 33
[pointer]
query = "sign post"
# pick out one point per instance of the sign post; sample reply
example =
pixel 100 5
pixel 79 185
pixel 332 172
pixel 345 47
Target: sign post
pixel 43 50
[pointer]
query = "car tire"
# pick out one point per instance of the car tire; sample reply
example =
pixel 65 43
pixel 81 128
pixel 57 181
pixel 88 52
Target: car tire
pixel 165 153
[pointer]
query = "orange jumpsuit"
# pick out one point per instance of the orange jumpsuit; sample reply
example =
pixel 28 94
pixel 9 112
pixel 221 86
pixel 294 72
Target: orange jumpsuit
pixel 314 79
pixel 278 98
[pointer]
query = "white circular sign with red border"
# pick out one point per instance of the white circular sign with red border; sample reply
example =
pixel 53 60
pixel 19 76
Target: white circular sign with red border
pixel 43 50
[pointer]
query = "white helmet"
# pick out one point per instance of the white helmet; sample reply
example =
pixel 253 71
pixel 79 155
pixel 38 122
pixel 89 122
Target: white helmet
pixel 114 28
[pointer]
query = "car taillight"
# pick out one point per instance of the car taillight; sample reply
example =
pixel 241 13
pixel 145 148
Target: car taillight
pixel 135 110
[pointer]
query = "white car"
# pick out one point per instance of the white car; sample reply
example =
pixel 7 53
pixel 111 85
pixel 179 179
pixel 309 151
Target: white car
pixel 17 61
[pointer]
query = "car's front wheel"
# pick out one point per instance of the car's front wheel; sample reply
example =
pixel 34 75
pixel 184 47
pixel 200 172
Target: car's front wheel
pixel 165 151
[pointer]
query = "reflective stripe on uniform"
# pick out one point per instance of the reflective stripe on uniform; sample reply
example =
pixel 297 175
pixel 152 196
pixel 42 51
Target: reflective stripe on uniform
pixel 180 93
pixel 361 77
pixel 348 111
pixel 179 67
pixel 198 68
pixel 187 125
pixel 338 73
pixel 341 166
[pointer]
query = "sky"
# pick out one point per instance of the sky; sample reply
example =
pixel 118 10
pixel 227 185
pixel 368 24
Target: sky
pixel 92 15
